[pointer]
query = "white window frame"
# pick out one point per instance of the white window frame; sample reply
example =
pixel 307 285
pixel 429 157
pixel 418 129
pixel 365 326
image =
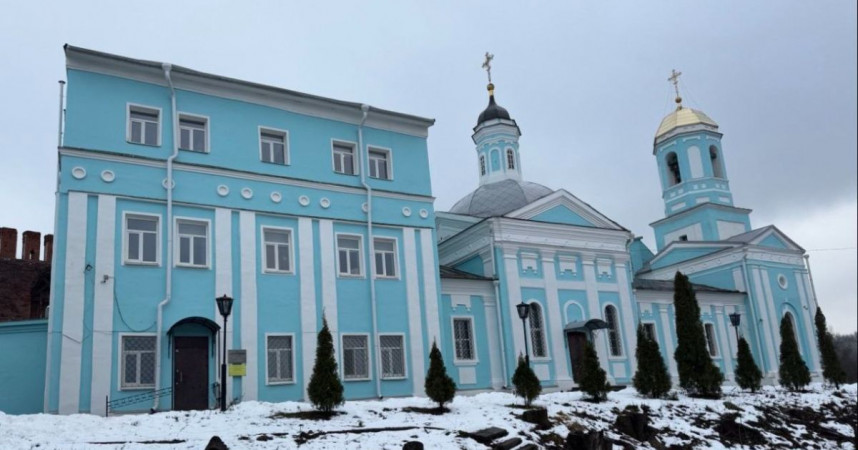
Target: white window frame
pixel 196 118
pixel 475 358
pixel 510 158
pixel 618 331
pixel 125 231
pixel 361 261
pixel 353 145
pixel 177 253
pixel 278 381
pixel 120 367
pixel 711 340
pixel 145 109
pixel 388 161
pixel 343 360
pixel 264 249
pixel 404 374
pixel 274 131
pixel 395 257
pixel 543 331
pixel 654 330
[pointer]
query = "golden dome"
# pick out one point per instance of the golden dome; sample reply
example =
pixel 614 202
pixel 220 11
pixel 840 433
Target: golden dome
pixel 682 117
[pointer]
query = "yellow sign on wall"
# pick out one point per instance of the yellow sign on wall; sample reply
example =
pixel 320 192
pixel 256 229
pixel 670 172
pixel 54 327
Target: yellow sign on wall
pixel 237 370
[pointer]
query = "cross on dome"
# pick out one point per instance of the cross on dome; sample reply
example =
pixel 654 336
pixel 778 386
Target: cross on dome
pixel 674 78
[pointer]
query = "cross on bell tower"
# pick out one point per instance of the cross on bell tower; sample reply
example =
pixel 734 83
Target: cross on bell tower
pixel 674 78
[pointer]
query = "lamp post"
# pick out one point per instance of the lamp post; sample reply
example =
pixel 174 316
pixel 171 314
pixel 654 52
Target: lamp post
pixel 735 319
pixel 224 306
pixel 523 312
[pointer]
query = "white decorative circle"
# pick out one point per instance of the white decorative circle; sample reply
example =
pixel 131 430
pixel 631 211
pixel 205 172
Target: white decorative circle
pixel 782 281
pixel 223 190
pixel 304 200
pixel 108 176
pixel 164 183
pixel 424 214
pixel 247 193
pixel 406 211
pixel 79 172
pixel 276 197
pixel 364 207
pixel 324 202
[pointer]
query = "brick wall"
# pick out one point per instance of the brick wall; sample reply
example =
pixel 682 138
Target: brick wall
pixel 25 282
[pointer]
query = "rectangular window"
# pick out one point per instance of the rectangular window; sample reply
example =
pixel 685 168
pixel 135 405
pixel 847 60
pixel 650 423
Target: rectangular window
pixel 272 144
pixel 379 164
pixel 193 242
pixel 141 239
pixel 355 357
pixel 392 356
pixel 192 133
pixel 711 343
pixel 279 350
pixel 138 361
pixel 344 158
pixel 278 256
pixel 649 331
pixel 385 257
pixel 144 125
pixel 348 252
pixel 463 337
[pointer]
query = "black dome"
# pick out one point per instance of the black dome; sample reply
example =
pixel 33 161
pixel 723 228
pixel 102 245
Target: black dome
pixel 493 111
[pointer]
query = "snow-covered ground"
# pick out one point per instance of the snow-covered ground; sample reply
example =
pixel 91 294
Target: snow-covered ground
pixel 255 424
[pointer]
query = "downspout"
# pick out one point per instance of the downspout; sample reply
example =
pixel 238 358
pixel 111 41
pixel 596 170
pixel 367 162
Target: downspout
pixel 168 288
pixel 371 247
pixel 496 282
pixel 759 334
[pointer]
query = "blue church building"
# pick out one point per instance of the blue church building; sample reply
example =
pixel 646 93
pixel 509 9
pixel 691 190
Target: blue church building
pixel 176 187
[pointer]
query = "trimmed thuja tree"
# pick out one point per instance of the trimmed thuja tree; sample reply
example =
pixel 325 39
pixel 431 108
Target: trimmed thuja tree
pixel 793 373
pixel 651 379
pixel 325 389
pixel 697 373
pixel 439 386
pixel 748 375
pixel 831 369
pixel 525 381
pixel 593 382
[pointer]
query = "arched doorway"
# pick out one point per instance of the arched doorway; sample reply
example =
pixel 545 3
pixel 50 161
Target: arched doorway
pixel 192 343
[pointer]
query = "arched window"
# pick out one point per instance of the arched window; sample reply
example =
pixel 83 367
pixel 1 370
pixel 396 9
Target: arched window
pixel 482 164
pixel 496 160
pixel 711 342
pixel 673 169
pixel 794 325
pixel 717 170
pixel 613 331
pixel 537 331
pixel 510 159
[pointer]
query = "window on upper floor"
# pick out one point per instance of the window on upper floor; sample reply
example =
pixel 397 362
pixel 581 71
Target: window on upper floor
pixel 355 357
pixel 463 338
pixel 348 255
pixel 138 361
pixel 141 239
pixel 673 174
pixel 193 132
pixel 537 330
pixel 613 331
pixel 683 237
pixel 385 257
pixel 482 164
pixel 144 125
pixel 510 159
pixel 392 355
pixel 711 343
pixel 193 243
pixel 278 255
pixel 717 168
pixel 273 146
pixel 379 164
pixel 344 158
pixel 279 354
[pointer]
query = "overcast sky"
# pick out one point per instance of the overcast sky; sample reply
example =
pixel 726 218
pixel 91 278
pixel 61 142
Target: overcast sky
pixel 586 82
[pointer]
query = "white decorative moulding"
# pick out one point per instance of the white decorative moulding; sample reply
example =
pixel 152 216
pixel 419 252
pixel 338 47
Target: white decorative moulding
pixel 424 213
pixel 303 200
pixel 276 197
pixel 108 176
pixel 79 173
pixel 164 183
pixel 223 190
pixel 782 281
pixel 406 211
pixel 247 193
pixel 364 207
pixel 324 202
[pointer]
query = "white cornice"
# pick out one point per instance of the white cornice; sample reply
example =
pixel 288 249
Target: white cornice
pixel 560 236
pixel 484 288
pixel 724 257
pixel 706 298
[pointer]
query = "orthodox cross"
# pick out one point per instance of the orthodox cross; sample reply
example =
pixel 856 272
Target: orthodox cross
pixel 487 64
pixel 674 78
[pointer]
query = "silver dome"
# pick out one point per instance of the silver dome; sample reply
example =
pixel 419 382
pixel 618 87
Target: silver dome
pixel 499 198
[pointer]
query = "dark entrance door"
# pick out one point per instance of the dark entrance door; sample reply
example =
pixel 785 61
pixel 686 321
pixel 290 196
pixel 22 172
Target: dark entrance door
pixel 190 372
pixel 577 341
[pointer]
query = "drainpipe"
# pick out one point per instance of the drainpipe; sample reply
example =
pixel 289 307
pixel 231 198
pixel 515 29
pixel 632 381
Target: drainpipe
pixel 168 288
pixel 60 127
pixel 757 318
pixel 370 246
pixel 501 336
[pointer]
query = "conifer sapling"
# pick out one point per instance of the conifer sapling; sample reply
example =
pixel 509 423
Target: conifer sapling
pixel 831 369
pixel 651 379
pixel 439 386
pixel 793 373
pixel 593 381
pixel 526 382
pixel 748 375
pixel 325 389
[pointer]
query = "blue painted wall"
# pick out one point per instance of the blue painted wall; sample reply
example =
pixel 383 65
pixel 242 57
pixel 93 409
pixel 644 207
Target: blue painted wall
pixel 24 344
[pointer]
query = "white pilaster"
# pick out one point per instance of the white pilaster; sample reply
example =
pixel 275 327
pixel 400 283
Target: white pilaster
pixel 555 332
pixel 810 323
pixel 490 307
pixel 766 334
pixel 415 324
pixel 510 267
pixel 430 288
pixel 629 326
pixel 72 325
pixel 329 280
pixel 728 350
pixel 102 319
pixel 669 343
pixel 588 265
pixel 308 298
pixel 223 278
pixel 247 230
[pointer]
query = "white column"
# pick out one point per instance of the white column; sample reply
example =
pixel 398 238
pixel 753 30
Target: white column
pixel 72 325
pixel 415 323
pixel 223 279
pixel 329 280
pixel 555 321
pixel 490 307
pixel 513 286
pixel 601 344
pixel 728 351
pixel 247 228
pixel 809 320
pixel 102 320
pixel 308 298
pixel 629 328
pixel 669 343
pixel 430 288
pixel 767 334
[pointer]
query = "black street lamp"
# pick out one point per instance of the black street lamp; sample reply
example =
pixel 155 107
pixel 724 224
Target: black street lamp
pixel 735 319
pixel 224 306
pixel 523 312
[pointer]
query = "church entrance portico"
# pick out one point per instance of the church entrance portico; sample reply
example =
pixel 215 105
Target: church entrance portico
pixel 577 335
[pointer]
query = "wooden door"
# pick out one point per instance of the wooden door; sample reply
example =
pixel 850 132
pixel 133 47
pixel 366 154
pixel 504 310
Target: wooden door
pixel 577 341
pixel 190 372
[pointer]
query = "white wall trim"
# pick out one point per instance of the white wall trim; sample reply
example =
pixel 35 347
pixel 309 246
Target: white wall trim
pixel 102 320
pixel 553 326
pixel 430 288
pixel 72 324
pixel 327 259
pixel 223 277
pixel 415 325
pixel 308 298
pixel 249 341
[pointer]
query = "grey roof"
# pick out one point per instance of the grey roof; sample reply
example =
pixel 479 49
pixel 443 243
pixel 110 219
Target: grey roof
pixel 667 285
pixel 498 198
pixel 449 272
pixel 748 236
